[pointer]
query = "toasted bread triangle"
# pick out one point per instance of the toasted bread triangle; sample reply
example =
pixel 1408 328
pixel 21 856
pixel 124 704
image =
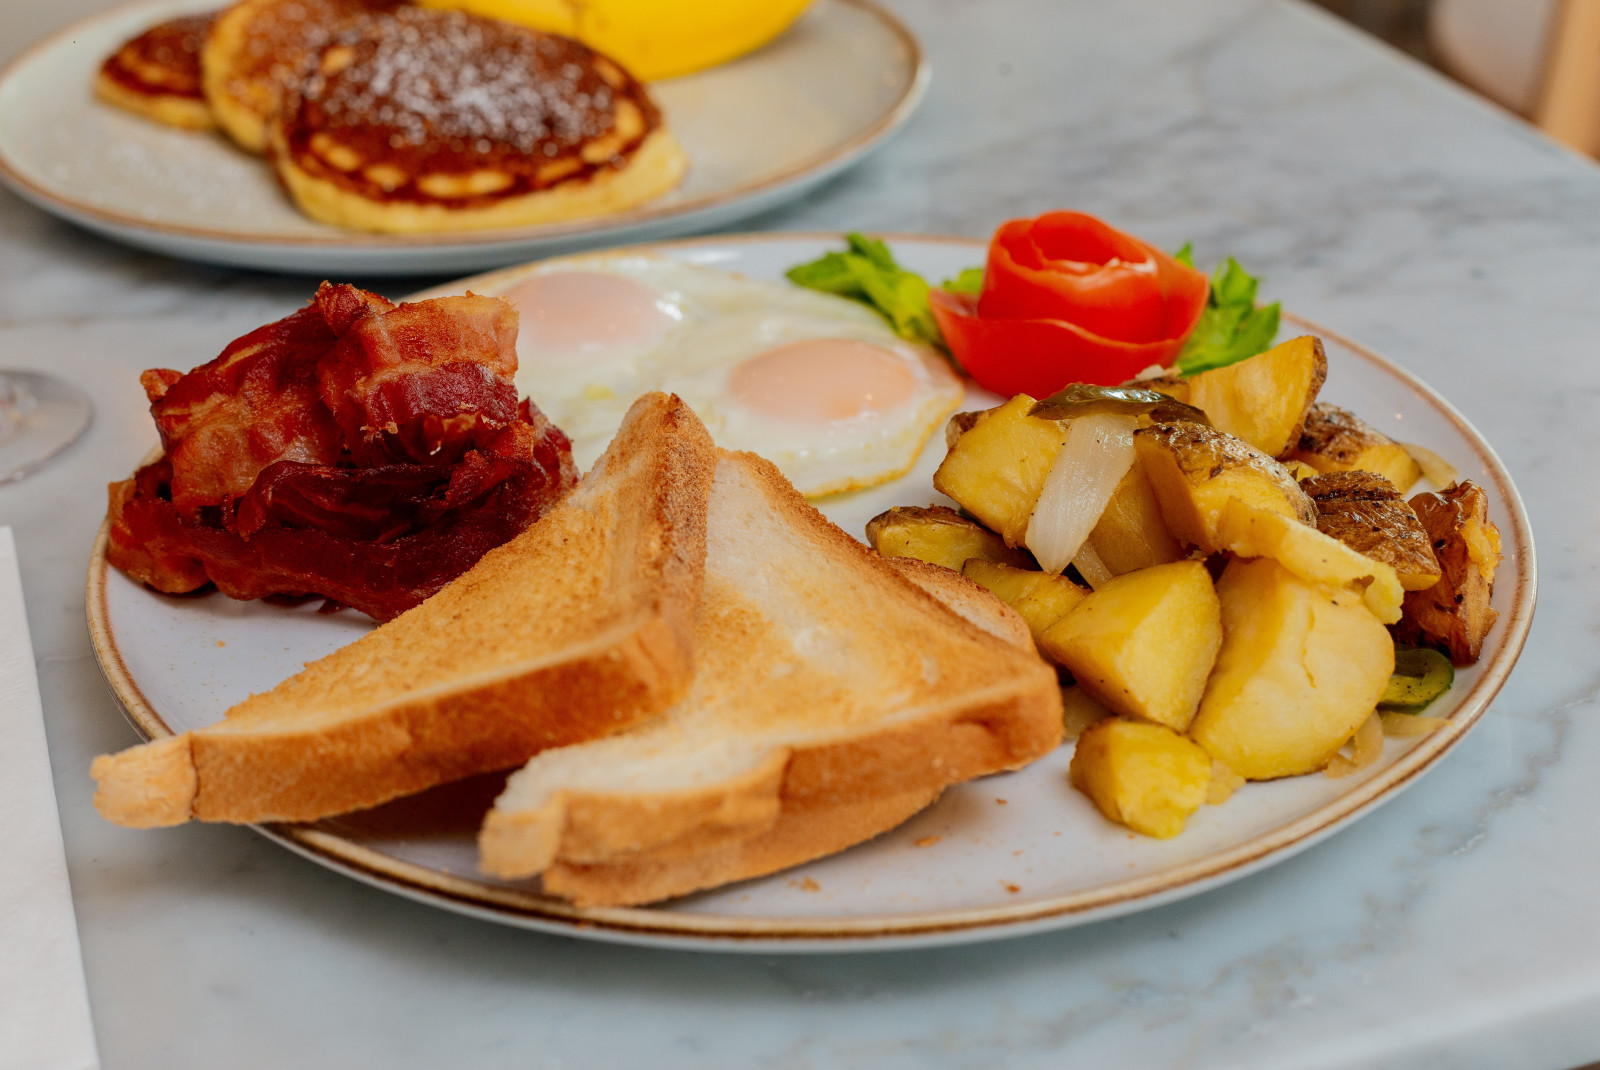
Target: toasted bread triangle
pixel 834 696
pixel 576 628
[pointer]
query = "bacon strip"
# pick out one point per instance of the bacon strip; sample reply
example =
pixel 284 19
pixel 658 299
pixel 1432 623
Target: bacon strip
pixel 255 404
pixel 354 450
pixel 424 382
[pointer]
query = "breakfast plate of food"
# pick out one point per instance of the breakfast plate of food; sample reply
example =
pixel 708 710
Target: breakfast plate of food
pixel 801 592
pixel 388 138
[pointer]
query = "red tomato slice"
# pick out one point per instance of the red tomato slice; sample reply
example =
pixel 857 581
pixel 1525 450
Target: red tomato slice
pixel 1067 298
pixel 1038 356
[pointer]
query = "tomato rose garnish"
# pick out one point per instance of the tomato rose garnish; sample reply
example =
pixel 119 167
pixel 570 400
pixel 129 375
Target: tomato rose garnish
pixel 1068 299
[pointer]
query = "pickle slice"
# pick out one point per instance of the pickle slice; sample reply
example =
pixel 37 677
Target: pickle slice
pixel 1087 399
pixel 1420 676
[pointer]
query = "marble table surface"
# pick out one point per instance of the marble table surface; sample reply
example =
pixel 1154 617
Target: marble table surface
pixel 1455 927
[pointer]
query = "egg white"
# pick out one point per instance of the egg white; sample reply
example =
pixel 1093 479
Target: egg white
pixel 714 321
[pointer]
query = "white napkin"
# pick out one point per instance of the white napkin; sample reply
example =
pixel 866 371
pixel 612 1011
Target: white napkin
pixel 44 1005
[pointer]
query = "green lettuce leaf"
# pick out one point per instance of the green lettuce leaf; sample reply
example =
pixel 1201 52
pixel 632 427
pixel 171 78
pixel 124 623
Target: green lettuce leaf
pixel 1231 328
pixel 867 272
pixel 970 281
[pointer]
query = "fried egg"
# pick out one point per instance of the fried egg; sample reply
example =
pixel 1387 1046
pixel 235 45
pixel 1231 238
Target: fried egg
pixel 817 384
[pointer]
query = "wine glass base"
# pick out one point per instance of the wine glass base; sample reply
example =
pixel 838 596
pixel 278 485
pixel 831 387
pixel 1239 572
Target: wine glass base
pixel 58 416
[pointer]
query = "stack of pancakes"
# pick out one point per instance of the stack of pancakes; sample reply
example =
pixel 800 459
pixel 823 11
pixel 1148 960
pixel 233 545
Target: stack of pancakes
pixel 403 119
pixel 157 74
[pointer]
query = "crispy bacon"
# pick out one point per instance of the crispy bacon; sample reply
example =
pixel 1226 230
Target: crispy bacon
pixel 427 539
pixel 374 504
pixel 263 491
pixel 342 304
pixel 424 382
pixel 139 543
pixel 255 404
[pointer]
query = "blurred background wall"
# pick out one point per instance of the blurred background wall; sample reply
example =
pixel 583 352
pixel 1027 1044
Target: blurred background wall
pixel 1539 58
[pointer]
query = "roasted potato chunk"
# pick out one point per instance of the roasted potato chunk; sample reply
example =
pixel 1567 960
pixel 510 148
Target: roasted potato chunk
pixel 1144 776
pixel 1364 511
pixel 1316 558
pixel 960 423
pixel 1041 599
pixel 1195 470
pixel 997 468
pixel 938 535
pixel 1300 669
pixel 1454 614
pixel 1132 534
pixel 1334 440
pixel 1143 644
pixel 1264 400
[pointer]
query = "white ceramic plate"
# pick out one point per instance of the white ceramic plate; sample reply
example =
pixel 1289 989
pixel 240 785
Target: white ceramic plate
pixel 759 130
pixel 1003 856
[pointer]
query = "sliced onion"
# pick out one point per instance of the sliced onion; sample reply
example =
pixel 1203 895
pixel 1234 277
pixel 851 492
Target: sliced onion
pixel 1366 746
pixel 1406 725
pixel 1097 454
pixel 1154 371
pixel 1435 469
pixel 1091 567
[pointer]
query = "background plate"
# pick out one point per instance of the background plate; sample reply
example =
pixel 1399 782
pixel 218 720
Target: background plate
pixel 1003 856
pixel 760 130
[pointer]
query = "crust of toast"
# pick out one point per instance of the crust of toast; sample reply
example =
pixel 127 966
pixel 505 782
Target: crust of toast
pixel 973 602
pixel 807 787
pixel 831 797
pixel 580 626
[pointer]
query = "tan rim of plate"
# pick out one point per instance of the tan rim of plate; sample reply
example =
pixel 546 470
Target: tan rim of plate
pixel 530 909
pixel 897 114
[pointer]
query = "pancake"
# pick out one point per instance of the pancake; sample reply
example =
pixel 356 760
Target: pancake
pixel 157 74
pixel 425 120
pixel 255 49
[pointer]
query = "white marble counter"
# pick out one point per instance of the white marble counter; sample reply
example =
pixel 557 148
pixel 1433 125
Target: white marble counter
pixel 1454 928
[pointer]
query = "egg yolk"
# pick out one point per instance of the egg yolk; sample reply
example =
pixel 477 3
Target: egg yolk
pixel 577 313
pixel 823 379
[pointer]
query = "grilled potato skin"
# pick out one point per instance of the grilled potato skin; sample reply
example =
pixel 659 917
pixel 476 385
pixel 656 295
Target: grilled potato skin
pixel 940 536
pixel 1454 614
pixel 1364 511
pixel 1195 470
pixel 1335 440
pixel 960 423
